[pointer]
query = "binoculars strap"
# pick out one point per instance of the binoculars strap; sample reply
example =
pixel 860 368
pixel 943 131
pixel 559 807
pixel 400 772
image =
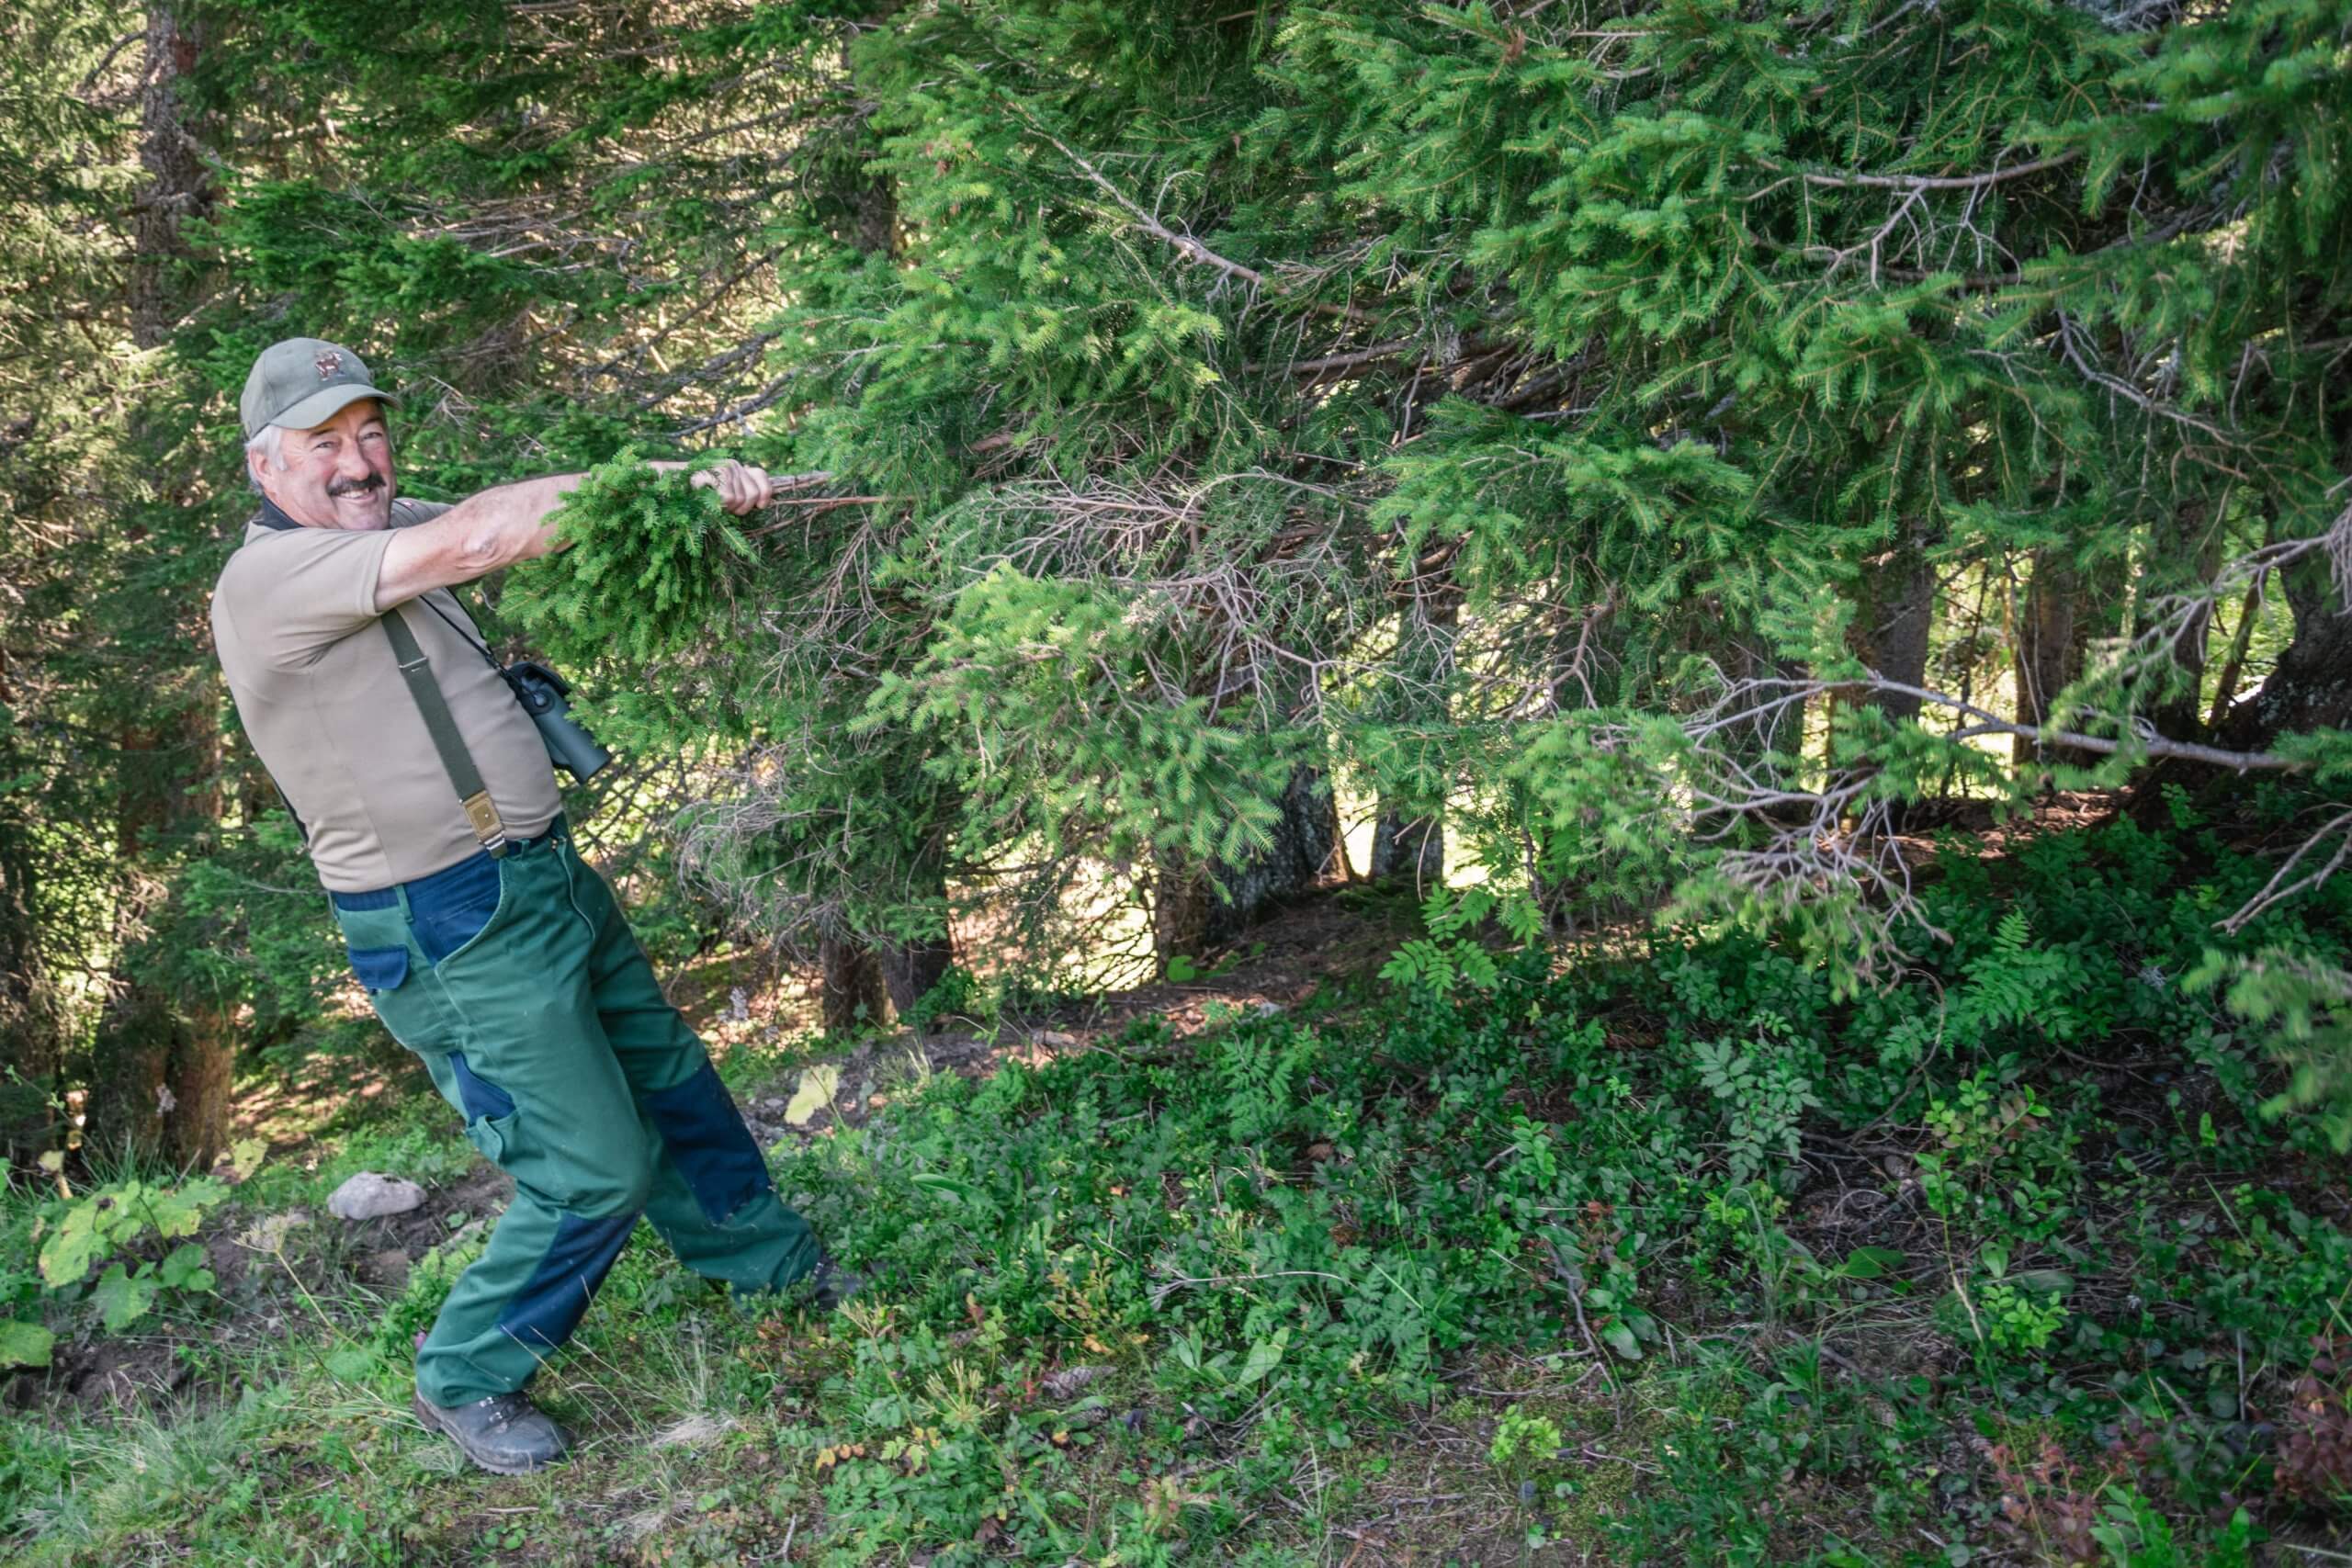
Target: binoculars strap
pixel 439 723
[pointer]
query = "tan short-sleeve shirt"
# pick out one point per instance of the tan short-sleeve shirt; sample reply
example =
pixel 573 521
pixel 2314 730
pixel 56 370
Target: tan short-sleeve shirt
pixel 321 694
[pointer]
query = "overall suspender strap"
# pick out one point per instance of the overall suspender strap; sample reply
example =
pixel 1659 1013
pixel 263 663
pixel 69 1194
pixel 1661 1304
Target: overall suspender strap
pixel 439 723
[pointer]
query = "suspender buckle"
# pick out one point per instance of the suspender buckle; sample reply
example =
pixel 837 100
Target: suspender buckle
pixel 489 830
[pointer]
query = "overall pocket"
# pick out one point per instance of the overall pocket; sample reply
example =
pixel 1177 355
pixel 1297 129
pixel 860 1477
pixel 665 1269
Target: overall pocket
pixel 385 963
pixel 451 912
pixel 488 1111
pixel 380 969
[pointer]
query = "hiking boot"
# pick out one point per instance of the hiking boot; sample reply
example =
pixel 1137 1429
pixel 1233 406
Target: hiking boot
pixel 831 1284
pixel 505 1434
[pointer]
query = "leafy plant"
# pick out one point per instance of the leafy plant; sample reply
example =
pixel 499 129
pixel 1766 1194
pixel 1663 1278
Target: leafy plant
pixel 98 1228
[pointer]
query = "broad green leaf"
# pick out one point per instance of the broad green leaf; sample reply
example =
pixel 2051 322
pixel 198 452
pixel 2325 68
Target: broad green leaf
pixel 1872 1262
pixel 815 1093
pixel 179 1212
pixel 123 1298
pixel 72 1247
pixel 1263 1358
pixel 24 1344
pixel 246 1155
pixel 1620 1339
pixel 184 1269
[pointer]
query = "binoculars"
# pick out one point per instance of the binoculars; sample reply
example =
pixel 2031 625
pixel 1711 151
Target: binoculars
pixel 542 693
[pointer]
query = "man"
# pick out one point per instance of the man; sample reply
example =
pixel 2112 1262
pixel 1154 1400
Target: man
pixel 487 946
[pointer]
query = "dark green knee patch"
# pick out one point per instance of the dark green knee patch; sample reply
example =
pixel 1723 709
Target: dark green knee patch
pixel 709 1142
pixel 545 1310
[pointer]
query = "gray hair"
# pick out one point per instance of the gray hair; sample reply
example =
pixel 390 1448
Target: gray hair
pixel 271 444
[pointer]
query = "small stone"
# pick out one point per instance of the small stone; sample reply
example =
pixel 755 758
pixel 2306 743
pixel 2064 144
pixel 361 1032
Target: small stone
pixel 372 1195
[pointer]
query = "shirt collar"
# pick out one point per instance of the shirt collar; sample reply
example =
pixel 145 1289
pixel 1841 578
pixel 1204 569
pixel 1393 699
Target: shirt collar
pixel 271 517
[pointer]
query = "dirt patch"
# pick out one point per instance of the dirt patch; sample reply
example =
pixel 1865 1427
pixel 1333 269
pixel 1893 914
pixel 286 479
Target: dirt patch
pixel 257 1260
pixel 117 1373
pixel 481 1193
pixel 1279 962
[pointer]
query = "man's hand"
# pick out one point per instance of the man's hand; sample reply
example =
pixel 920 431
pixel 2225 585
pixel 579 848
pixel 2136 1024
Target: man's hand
pixel 742 489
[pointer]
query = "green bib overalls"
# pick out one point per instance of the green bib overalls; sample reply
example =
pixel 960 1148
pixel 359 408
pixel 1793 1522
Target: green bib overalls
pixel 577 1078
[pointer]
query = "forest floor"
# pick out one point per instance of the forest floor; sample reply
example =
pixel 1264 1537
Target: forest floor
pixel 1292 1266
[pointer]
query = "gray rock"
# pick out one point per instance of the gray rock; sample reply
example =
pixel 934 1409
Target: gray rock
pixel 371 1195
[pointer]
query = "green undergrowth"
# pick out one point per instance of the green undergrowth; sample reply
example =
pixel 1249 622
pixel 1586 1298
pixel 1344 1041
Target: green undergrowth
pixel 1678 1257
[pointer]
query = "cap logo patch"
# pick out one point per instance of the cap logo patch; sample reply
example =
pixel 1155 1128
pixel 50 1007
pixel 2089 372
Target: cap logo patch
pixel 329 363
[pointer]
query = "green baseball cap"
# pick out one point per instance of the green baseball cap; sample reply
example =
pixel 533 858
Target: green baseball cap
pixel 300 383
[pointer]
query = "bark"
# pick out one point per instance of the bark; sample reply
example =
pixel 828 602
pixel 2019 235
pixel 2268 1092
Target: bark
pixel 1180 909
pixel 2311 686
pixel 1898 610
pixel 1408 848
pixel 163 1065
pixel 2048 650
pixel 31 1033
pixel 911 968
pixel 2187 539
pixel 1898 614
pixel 853 994
pixel 177 186
pixel 861 983
pixel 1195 909
pixel 1409 836
pixel 1306 843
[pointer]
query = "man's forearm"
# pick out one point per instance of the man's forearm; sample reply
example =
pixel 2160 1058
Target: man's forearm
pixel 509 523
pixel 483 533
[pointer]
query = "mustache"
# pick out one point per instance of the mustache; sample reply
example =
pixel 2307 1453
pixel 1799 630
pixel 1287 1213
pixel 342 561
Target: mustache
pixel 341 488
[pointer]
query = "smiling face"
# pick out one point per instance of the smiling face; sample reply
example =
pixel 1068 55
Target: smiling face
pixel 336 476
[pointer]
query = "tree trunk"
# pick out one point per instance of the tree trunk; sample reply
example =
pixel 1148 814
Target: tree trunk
pixel 853 994
pixel 1898 610
pixel 909 969
pixel 1196 909
pixel 859 984
pixel 177 187
pixel 163 1065
pixel 2049 653
pixel 1409 836
pixel 2311 686
pixel 32 1043
pixel 1408 848
pixel 2187 540
pixel 1898 603
pixel 1180 908
pixel 1307 839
